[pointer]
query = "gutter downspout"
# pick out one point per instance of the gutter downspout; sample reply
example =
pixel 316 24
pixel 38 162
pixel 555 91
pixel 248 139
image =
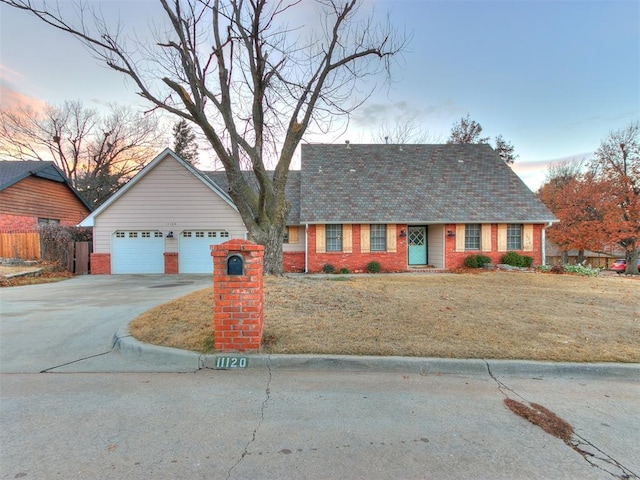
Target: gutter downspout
pixel 544 241
pixel 306 248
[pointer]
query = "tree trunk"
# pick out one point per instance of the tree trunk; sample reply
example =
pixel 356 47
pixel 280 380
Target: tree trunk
pixel 580 259
pixel 272 237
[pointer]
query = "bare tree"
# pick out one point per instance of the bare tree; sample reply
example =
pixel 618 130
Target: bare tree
pixel 404 132
pixel 97 152
pixel 466 131
pixel 252 84
pixel 469 131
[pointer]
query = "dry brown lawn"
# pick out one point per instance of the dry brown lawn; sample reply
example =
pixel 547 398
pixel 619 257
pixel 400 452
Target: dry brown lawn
pixel 503 315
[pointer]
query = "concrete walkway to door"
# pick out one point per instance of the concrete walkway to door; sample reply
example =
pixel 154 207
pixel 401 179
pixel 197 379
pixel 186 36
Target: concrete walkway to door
pixel 73 322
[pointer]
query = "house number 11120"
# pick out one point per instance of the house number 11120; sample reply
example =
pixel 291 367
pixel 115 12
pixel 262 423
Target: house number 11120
pixel 231 362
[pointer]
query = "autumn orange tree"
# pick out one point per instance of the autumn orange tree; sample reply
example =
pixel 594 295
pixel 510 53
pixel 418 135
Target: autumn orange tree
pixel 616 169
pixel 598 203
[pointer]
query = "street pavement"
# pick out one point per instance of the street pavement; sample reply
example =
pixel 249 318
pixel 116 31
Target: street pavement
pixel 108 407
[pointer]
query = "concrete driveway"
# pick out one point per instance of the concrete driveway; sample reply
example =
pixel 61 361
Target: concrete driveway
pixel 71 324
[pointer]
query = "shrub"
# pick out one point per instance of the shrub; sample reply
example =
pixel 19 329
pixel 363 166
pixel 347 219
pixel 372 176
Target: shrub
pixel 373 267
pixel 476 261
pixel 56 239
pixel 344 270
pixel 527 261
pixel 516 260
pixel 328 268
pixel 511 258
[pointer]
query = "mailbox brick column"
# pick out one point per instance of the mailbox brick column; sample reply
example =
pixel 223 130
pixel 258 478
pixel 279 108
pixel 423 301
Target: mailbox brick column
pixel 238 300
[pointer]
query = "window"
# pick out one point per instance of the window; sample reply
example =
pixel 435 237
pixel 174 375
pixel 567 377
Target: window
pixel 224 234
pixel 378 235
pixel 472 236
pixel 119 234
pixel 157 235
pixel 48 221
pixel 514 237
pixel 199 234
pixel 334 238
pixel 133 234
pixel 212 234
pixel 146 234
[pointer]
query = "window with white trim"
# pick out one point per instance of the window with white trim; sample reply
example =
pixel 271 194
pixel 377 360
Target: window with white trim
pixel 378 238
pixel 472 236
pixel 514 236
pixel 333 235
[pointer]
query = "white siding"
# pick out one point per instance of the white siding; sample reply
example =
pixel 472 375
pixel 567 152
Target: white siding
pixel 168 198
pixel 435 245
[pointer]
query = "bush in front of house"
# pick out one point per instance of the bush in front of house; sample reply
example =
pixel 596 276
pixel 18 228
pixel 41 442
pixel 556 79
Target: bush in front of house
pixel 373 267
pixel 328 268
pixel 344 270
pixel 516 260
pixel 476 261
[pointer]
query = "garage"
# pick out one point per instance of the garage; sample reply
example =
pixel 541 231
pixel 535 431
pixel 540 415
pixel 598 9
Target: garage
pixel 194 252
pixel 137 251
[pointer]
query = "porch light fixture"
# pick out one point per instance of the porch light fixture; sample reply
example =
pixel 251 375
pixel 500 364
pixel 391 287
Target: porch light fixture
pixel 170 235
pixel 403 234
pixel 450 233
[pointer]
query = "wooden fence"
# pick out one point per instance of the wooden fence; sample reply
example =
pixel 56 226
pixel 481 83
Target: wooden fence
pixel 24 245
pixel 27 246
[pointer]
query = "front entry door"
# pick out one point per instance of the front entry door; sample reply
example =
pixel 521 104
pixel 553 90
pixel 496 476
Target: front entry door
pixel 417 245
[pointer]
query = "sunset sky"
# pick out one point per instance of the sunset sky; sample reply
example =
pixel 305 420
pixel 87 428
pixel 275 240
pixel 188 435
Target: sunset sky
pixel 552 77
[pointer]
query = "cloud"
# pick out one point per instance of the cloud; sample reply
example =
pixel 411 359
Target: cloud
pixel 12 98
pixel 376 114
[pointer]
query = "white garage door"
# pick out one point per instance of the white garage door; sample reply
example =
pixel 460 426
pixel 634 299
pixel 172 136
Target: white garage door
pixel 137 252
pixel 194 252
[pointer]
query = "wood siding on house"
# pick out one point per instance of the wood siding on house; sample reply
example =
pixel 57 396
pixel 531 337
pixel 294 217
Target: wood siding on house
pixel 41 198
pixel 168 198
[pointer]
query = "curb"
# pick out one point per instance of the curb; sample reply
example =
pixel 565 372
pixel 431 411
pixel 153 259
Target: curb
pixel 192 361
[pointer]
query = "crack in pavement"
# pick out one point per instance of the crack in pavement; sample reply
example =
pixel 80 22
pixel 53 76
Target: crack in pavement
pixel 48 370
pixel 255 430
pixel 596 457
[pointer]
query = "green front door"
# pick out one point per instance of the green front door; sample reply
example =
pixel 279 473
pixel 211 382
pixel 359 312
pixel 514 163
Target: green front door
pixel 417 245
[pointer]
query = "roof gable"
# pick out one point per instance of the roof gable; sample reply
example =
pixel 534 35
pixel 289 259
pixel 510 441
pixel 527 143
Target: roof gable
pixel 166 153
pixel 413 184
pixel 14 171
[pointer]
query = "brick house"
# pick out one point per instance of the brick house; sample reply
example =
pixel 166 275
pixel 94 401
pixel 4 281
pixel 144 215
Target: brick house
pixel 404 206
pixel 33 193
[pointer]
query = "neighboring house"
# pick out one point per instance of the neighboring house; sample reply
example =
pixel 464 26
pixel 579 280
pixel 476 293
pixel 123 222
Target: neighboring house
pixel 33 193
pixel 404 206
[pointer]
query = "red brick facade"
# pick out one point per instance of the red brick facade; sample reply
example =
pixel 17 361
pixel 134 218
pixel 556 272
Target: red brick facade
pixel 238 300
pixel 454 259
pixel 101 264
pixel 356 261
pixel 170 263
pixel 293 262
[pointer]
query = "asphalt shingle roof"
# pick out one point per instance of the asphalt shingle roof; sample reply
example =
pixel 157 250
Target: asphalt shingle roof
pixel 13 171
pixel 292 191
pixel 413 184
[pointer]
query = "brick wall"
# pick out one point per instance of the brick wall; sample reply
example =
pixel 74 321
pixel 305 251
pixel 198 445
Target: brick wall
pixel 293 262
pixel 18 223
pixel 455 259
pixel 101 264
pixel 238 300
pixel 356 262
pixel 171 263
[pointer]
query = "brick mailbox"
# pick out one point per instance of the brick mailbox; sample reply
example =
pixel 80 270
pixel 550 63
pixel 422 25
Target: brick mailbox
pixel 238 296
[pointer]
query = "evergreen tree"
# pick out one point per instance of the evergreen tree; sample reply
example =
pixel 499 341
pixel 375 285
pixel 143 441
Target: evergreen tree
pixel 184 142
